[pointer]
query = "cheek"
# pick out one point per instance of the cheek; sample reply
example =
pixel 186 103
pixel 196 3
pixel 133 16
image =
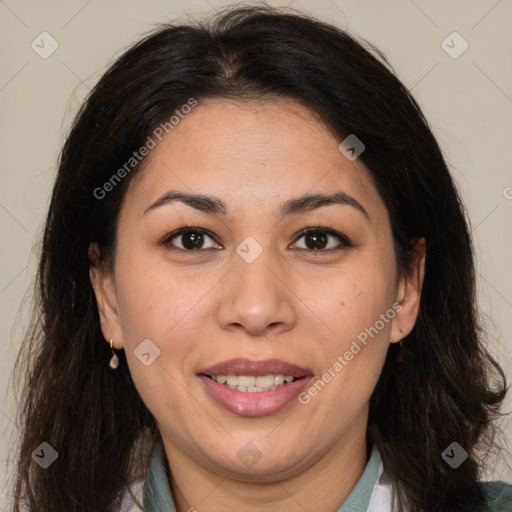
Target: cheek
pixel 354 301
pixel 153 301
pixel 155 307
pixel 353 351
pixel 166 308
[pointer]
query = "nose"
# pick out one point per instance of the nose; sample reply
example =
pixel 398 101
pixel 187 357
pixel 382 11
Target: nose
pixel 257 297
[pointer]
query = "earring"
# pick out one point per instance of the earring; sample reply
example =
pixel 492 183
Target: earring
pixel 114 361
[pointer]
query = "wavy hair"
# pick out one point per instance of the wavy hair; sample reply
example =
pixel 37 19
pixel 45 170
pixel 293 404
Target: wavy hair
pixel 448 389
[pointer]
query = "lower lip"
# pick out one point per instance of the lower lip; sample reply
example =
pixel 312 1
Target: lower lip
pixel 260 403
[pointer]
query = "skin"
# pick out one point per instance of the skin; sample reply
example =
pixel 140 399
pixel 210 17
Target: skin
pixel 292 303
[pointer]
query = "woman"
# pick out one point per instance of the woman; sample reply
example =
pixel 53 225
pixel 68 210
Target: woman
pixel 256 289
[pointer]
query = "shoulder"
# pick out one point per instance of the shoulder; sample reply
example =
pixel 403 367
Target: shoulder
pixel 498 496
pixel 132 500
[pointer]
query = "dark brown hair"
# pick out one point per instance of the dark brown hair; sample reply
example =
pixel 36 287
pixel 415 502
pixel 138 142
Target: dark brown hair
pixel 95 418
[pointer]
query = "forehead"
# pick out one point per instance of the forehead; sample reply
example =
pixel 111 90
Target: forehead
pixel 256 151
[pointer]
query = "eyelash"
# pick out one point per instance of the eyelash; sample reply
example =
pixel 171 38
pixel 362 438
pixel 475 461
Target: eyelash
pixel 343 239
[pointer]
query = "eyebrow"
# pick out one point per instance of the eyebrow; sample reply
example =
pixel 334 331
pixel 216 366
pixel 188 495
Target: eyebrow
pixel 214 205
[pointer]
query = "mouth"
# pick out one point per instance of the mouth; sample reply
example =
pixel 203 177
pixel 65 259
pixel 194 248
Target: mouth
pixel 254 388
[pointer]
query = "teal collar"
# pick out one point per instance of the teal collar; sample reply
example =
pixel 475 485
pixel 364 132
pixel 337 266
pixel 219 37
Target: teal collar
pixel 158 496
pixel 359 498
pixel 157 493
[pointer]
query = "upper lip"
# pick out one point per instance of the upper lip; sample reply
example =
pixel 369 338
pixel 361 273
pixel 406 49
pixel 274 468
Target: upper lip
pixel 256 368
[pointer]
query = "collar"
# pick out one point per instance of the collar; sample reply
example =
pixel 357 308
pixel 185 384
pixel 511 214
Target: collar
pixel 372 492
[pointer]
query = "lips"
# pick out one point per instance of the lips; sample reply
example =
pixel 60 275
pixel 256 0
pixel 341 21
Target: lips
pixel 253 401
pixel 243 366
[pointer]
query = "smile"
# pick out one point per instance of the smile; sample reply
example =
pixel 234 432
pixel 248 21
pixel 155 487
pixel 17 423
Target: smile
pixel 254 388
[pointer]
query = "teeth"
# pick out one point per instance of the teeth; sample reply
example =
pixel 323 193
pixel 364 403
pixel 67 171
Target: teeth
pixel 265 381
pixel 251 384
pixel 278 380
pixel 246 381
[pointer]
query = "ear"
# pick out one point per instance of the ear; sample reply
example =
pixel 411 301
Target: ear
pixel 103 285
pixel 408 294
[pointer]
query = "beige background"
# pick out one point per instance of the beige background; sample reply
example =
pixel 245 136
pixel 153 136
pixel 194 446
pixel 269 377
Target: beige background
pixel 468 101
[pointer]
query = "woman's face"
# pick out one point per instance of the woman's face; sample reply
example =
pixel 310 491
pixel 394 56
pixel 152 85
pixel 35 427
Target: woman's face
pixel 254 298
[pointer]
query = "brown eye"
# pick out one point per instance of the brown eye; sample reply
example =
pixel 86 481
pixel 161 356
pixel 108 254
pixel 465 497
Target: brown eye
pixel 316 240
